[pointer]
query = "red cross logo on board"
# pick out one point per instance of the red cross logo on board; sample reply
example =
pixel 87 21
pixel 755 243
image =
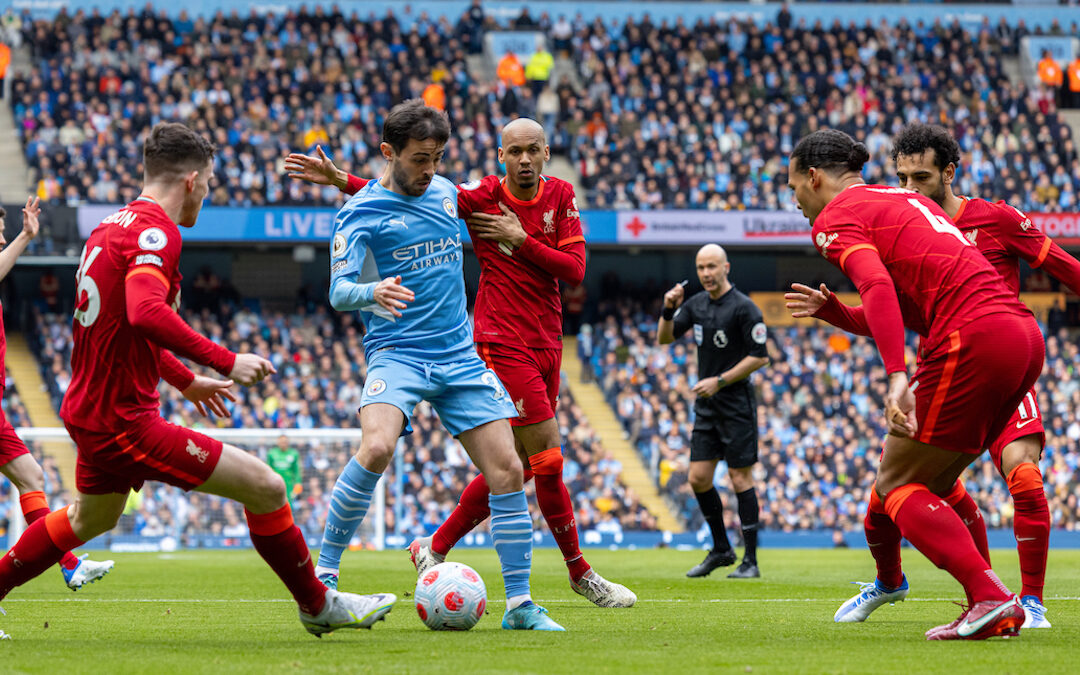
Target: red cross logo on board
pixel 636 226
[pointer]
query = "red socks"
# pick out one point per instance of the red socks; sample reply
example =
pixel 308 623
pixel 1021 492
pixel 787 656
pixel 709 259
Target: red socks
pixel 1031 525
pixel 883 538
pixel 40 547
pixel 282 546
pixel 551 495
pixel 933 527
pixel 969 512
pixel 558 510
pixel 35 506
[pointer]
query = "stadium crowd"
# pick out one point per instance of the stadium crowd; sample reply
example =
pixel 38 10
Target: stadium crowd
pixel 320 378
pixel 685 116
pixel 818 420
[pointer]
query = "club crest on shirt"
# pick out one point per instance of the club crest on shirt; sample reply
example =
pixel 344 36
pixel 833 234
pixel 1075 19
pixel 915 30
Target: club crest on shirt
pixel 719 339
pixel 376 387
pixel 971 235
pixel 450 207
pixel 549 221
pixel 152 239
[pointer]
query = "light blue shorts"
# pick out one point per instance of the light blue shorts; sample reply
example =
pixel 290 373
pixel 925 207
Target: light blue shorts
pixel 465 394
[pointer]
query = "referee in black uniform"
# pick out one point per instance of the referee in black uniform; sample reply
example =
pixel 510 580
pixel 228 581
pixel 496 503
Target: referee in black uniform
pixel 730 337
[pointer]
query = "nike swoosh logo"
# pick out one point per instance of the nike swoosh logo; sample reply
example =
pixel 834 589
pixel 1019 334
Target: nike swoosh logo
pixel 306 561
pixel 966 628
pixel 1021 425
pixel 1025 538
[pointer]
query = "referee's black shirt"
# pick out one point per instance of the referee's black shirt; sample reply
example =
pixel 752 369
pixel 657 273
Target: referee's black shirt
pixel 726 331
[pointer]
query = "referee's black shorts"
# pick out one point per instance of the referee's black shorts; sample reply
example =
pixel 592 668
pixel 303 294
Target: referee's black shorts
pixel 732 438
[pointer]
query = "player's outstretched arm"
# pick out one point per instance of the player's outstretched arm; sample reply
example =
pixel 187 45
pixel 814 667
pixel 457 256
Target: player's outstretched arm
pixel 823 304
pixel 321 170
pixel 206 393
pixel 30 230
pixel 1062 266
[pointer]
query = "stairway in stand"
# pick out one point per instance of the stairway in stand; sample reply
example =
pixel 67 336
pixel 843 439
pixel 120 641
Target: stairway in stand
pixel 602 419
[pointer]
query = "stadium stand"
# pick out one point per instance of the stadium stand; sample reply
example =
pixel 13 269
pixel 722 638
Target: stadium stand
pixel 321 371
pixel 818 423
pixel 684 116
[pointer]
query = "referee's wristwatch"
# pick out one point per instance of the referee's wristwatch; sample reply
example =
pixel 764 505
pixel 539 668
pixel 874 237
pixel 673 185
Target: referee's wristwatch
pixel 721 381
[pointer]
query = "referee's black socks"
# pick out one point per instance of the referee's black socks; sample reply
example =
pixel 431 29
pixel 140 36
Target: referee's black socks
pixel 748 519
pixel 713 510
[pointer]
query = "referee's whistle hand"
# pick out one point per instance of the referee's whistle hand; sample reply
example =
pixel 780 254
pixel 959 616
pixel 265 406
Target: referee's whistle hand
pixel 674 297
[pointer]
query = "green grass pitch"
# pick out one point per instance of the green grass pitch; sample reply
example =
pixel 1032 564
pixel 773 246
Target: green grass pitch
pixel 224 611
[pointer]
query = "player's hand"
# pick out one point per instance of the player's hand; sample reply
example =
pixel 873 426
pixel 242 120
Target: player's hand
pixel 706 387
pixel 31 211
pixel 318 169
pixel 505 227
pixel 900 407
pixel 806 301
pixel 208 393
pixel 674 297
pixel 392 296
pixel 250 369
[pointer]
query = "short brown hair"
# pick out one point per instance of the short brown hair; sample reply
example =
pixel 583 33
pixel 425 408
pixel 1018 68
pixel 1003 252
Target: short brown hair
pixel 414 120
pixel 173 148
pixel 3 212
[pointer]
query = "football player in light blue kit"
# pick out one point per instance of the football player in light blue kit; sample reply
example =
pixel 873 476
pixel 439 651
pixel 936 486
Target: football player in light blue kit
pixel 396 256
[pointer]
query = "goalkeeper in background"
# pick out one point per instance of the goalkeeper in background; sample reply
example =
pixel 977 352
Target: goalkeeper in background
pixel 285 461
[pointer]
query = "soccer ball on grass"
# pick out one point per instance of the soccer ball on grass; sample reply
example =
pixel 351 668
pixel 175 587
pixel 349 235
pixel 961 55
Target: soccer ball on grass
pixel 450 596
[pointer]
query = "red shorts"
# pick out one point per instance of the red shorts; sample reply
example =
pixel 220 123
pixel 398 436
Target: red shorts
pixel 11 446
pixel 1025 421
pixel 531 377
pixel 967 389
pixel 149 449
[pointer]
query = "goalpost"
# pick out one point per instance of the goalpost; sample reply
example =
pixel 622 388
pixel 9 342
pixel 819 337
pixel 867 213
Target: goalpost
pixel 321 453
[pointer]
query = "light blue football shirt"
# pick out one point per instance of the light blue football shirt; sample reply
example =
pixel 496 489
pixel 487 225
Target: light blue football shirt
pixel 380 234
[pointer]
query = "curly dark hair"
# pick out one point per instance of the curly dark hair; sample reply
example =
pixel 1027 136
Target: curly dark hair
pixel 915 139
pixel 830 150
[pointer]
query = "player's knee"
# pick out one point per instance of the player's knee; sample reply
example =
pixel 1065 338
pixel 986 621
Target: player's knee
pixel 504 474
pixel 376 453
pixel 87 524
pixel 267 492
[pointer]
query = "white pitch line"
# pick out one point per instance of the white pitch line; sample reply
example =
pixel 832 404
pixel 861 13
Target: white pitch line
pixel 195 601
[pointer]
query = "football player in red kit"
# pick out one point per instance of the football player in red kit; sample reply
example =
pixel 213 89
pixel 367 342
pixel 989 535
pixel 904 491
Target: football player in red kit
pixel 125 324
pixel 16 462
pixel 926 158
pixel 982 350
pixel 526 232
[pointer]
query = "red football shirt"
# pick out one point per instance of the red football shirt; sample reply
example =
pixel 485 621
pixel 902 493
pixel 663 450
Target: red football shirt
pixel 948 282
pixel 115 367
pixel 518 300
pixel 1005 235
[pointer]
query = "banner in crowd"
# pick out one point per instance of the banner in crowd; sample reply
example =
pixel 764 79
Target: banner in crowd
pixel 314 225
pixel 749 228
